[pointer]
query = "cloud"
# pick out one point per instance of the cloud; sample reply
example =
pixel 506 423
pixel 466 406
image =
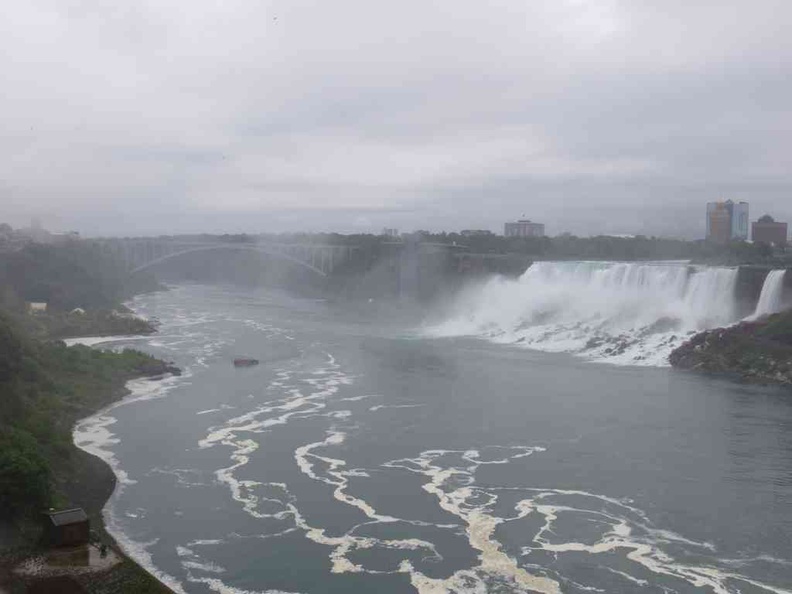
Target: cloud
pixel 243 115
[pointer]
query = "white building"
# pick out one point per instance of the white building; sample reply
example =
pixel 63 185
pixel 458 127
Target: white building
pixel 524 228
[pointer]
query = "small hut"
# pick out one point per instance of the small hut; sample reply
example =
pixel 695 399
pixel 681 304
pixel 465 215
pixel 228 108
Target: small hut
pixel 37 307
pixel 68 527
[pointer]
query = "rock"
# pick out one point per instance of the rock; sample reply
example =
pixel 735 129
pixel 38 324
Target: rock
pixel 758 351
pixel 245 362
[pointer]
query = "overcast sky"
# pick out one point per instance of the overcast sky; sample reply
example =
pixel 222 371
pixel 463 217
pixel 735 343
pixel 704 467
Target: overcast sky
pixel 161 116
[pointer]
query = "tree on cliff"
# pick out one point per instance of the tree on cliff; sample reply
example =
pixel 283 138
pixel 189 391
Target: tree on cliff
pixel 24 474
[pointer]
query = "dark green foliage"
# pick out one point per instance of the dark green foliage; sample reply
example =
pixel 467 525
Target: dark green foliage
pixel 90 323
pixel 10 352
pixel 24 473
pixel 778 328
pixel 44 388
pixel 606 247
pixel 67 275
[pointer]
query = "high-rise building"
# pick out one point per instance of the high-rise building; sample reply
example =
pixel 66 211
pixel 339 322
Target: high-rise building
pixel 727 221
pixel 740 226
pixel 768 230
pixel 524 228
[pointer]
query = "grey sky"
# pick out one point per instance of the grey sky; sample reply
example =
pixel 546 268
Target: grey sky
pixel 246 115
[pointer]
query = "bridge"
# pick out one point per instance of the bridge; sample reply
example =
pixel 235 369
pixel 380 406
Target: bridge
pixel 138 254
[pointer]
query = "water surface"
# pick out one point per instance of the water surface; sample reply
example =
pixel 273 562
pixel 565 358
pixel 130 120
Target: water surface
pixel 363 456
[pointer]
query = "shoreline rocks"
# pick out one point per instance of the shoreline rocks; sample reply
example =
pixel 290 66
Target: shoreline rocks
pixel 756 352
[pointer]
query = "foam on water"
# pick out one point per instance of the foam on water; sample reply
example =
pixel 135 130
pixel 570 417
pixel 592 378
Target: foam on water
pixel 97 340
pixel 304 398
pixel 625 532
pixel 94 436
pixel 627 313
pixel 624 528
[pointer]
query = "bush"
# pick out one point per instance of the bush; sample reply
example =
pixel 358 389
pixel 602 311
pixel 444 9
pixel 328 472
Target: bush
pixel 24 474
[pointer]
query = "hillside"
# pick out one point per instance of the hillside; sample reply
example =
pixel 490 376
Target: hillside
pixel 44 388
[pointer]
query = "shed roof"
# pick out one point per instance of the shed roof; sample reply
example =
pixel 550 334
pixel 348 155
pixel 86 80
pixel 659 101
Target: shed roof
pixel 68 516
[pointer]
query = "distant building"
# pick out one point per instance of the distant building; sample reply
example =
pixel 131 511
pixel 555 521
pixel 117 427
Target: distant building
pixel 475 232
pixel 727 221
pixel 69 527
pixel 740 227
pixel 767 230
pixel 524 228
pixel 37 307
pixel 64 237
pixel 390 232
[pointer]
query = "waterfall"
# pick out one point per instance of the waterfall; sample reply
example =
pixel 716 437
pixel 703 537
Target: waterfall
pixel 770 299
pixel 632 313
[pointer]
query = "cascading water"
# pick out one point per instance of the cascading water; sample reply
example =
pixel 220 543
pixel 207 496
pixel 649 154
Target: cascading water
pixel 771 298
pixel 620 312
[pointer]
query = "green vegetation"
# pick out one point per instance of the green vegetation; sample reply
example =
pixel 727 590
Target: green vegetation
pixel 24 473
pixel 606 247
pixel 65 276
pixel 44 388
pixel 89 323
pixel 562 247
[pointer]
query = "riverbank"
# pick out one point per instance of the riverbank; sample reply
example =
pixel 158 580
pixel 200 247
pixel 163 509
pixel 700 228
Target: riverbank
pixel 67 325
pixel 49 387
pixel 752 351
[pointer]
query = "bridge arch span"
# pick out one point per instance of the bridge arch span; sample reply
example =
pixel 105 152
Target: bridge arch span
pixel 250 248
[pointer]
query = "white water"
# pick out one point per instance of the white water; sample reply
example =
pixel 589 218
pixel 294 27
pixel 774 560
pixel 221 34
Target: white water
pixel 629 313
pixel 770 300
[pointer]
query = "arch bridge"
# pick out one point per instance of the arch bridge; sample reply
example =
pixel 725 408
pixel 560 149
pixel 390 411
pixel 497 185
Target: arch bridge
pixel 137 254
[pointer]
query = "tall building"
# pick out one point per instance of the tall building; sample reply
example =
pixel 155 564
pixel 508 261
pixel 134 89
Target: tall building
pixel 740 226
pixel 524 228
pixel 768 230
pixel 727 221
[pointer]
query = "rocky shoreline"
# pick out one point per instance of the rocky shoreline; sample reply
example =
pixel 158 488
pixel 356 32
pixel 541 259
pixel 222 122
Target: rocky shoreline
pixel 757 352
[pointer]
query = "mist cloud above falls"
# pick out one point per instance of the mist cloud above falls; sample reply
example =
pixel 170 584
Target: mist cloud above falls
pixel 613 116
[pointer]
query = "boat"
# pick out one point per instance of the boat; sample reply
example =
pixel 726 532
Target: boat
pixel 245 362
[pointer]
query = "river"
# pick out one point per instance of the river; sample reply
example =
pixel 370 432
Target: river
pixel 366 454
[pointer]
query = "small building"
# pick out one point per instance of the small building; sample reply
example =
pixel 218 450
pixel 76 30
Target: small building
pixel 66 528
pixel 524 228
pixel 37 307
pixel 768 230
pixel 475 233
pixel 77 311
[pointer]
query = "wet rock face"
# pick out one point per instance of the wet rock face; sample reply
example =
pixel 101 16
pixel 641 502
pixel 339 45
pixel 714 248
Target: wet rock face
pixel 758 352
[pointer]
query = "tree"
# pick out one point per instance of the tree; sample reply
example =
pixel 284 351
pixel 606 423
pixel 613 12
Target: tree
pixel 24 473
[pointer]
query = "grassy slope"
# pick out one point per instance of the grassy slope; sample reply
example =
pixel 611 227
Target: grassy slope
pixel 44 389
